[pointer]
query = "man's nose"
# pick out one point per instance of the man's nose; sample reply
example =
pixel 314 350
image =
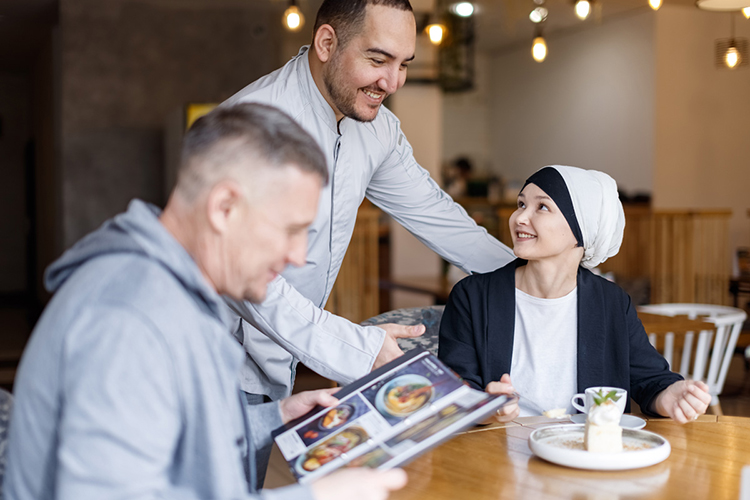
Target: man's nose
pixel 390 81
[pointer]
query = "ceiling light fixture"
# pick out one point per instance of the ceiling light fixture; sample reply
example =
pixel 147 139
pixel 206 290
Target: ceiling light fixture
pixel 539 47
pixel 463 9
pixel 436 32
pixel 654 4
pixel 722 5
pixel 538 15
pixel 731 52
pixel 293 19
pixel 583 9
pixel 746 12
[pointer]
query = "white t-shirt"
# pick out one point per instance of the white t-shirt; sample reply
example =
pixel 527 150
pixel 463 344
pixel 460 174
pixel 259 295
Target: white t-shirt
pixel 544 366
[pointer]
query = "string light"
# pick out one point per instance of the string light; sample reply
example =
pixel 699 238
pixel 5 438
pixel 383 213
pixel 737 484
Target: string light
pixel 583 9
pixel 293 18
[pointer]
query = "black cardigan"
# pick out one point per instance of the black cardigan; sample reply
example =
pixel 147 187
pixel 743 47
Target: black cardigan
pixel 476 336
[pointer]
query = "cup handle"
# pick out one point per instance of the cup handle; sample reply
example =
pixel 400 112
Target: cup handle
pixel 578 407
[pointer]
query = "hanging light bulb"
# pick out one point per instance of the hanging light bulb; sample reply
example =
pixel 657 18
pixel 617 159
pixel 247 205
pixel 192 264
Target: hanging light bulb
pixel 732 57
pixel 538 15
pixel 654 4
pixel 539 49
pixel 746 12
pixel 463 9
pixel 436 32
pixel 583 9
pixel 293 18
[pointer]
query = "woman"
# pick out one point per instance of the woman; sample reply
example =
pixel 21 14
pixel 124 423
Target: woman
pixel 550 324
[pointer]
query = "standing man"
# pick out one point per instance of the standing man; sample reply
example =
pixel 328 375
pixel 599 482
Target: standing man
pixel 334 89
pixel 128 386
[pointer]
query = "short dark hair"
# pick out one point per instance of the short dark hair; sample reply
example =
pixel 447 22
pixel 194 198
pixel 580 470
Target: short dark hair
pixel 217 141
pixel 347 16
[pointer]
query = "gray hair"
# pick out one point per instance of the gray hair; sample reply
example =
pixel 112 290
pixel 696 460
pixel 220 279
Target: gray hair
pixel 229 141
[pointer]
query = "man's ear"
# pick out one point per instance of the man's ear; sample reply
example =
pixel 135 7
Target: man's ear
pixel 325 42
pixel 223 205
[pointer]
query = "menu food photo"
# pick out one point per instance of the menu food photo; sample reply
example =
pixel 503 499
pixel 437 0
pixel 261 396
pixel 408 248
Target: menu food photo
pixel 385 419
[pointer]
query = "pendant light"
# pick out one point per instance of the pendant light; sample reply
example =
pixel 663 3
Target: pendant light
pixel 539 47
pixel 583 9
pixel 293 19
pixel 654 4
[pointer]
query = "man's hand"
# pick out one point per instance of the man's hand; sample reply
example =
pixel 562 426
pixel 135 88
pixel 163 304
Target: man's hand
pixel 683 401
pixel 390 349
pixel 297 405
pixel 504 387
pixel 362 484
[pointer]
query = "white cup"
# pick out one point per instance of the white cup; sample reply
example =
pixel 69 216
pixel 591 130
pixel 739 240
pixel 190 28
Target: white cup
pixel 588 398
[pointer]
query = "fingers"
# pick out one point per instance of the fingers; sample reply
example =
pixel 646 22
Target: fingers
pixel 502 387
pixel 403 331
pixel 699 390
pixel 507 413
pixel 499 388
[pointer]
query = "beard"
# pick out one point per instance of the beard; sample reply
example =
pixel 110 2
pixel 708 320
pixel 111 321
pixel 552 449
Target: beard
pixel 344 100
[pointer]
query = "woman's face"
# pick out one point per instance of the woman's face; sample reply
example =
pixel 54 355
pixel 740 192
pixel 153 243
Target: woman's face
pixel 539 228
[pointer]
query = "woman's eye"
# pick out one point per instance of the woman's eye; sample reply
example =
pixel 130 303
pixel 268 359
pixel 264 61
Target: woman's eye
pixel 543 207
pixel 520 204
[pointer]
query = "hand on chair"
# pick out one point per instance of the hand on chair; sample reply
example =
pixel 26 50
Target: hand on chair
pixel 390 349
pixel 683 401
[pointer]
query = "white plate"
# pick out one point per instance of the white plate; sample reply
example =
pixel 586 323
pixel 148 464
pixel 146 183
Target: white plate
pixel 563 445
pixel 626 421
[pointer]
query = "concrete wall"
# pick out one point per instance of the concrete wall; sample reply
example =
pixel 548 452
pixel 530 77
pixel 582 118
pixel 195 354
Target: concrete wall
pixel 590 104
pixel 125 65
pixel 702 156
pixel 467 118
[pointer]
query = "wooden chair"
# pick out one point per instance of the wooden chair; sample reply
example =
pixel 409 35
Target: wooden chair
pixel 713 349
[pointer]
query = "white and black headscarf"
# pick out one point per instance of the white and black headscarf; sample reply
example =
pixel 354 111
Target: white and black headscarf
pixel 589 201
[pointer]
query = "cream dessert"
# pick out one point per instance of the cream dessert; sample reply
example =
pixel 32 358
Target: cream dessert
pixel 602 433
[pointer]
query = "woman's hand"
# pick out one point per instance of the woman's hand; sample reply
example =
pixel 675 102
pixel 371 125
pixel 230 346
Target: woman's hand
pixel 297 405
pixel 504 387
pixel 683 401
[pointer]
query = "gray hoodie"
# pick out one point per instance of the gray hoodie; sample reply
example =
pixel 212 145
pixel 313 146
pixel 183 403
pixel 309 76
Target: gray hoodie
pixel 128 387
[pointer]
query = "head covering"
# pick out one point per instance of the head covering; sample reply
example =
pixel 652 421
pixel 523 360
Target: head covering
pixel 588 199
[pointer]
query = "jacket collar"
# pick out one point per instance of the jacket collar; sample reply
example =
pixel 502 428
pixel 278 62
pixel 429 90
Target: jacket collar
pixel 311 92
pixel 501 307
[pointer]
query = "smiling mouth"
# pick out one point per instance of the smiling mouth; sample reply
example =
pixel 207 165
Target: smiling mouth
pixel 376 96
pixel 524 236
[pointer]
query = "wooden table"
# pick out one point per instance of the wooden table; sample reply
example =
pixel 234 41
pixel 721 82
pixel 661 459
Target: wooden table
pixel 496 463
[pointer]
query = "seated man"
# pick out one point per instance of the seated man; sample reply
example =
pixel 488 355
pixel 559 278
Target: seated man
pixel 128 387
pixel 547 322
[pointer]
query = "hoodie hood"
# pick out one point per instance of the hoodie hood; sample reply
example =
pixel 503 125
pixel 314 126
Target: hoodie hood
pixel 137 231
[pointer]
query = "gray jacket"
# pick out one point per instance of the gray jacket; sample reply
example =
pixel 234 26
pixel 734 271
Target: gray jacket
pixel 364 159
pixel 128 386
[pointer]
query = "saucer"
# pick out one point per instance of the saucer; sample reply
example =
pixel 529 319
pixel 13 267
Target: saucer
pixel 626 421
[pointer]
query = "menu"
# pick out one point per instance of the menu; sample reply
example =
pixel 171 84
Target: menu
pixel 385 419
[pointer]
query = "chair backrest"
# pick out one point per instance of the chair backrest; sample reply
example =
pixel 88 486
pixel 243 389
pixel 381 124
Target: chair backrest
pixel 6 405
pixel 728 322
pixel 428 316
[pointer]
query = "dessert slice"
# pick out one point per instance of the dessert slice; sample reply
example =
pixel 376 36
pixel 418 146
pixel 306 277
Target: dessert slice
pixel 602 433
